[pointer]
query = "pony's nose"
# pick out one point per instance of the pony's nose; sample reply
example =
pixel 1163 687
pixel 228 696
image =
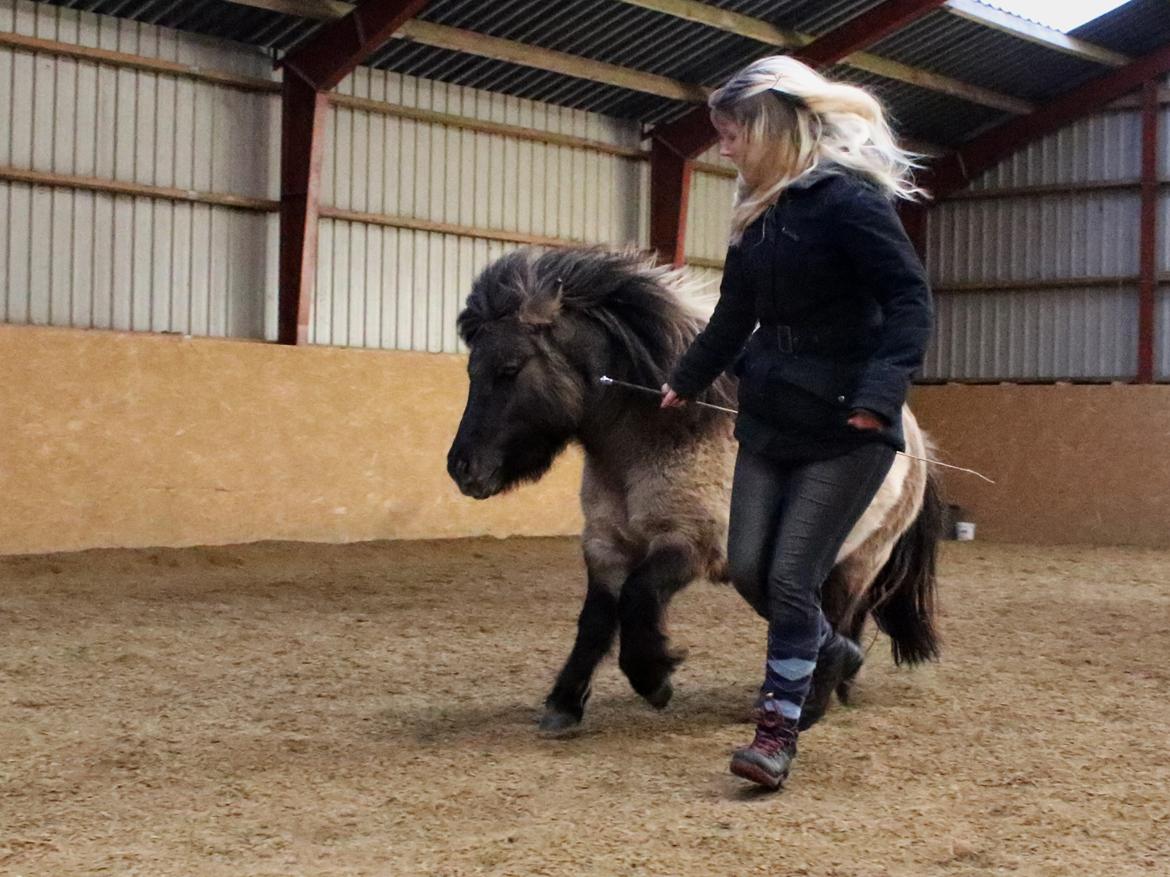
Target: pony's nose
pixel 458 467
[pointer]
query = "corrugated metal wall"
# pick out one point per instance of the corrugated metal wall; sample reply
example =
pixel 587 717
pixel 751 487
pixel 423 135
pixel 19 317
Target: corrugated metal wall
pixel 1035 333
pixel 78 258
pixel 1162 226
pixel 709 209
pixel 88 259
pixel 1102 147
pixel 1075 332
pixel 381 286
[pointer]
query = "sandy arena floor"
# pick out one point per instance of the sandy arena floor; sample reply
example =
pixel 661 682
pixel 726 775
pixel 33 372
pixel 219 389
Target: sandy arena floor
pixel 368 709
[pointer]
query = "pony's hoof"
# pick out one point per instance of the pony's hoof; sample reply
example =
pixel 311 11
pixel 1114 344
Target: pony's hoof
pixel 845 686
pixel 844 690
pixel 808 718
pixel 660 696
pixel 838 662
pixel 556 723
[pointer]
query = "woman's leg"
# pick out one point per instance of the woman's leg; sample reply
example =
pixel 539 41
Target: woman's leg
pixel 822 501
pixel 825 499
pixel 757 494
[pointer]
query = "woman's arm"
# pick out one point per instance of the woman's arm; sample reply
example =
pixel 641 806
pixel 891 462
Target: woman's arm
pixel 721 341
pixel 883 257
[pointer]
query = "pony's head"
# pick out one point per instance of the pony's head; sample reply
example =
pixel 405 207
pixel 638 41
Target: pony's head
pixel 541 330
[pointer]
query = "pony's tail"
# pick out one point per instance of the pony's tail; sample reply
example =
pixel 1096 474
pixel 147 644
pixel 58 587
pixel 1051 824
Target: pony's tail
pixel 902 595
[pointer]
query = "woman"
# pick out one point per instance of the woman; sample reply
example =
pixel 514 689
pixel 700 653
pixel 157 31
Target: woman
pixel 819 259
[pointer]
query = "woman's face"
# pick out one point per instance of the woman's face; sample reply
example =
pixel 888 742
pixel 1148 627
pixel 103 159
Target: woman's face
pixel 732 143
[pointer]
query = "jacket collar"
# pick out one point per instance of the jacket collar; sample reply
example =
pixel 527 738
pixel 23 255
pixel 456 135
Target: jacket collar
pixel 818 174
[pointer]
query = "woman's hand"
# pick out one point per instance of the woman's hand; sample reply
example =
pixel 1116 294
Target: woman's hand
pixel 865 420
pixel 671 399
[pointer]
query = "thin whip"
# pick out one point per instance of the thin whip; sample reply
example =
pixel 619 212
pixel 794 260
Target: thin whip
pixel 605 379
pixel 608 381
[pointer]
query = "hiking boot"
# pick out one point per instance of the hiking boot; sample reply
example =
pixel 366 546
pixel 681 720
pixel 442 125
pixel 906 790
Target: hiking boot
pixel 768 759
pixel 838 661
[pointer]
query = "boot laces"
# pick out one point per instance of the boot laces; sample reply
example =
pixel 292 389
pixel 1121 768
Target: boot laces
pixel 774 733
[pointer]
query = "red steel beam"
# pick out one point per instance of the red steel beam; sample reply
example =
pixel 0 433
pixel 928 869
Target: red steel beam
pixel 1147 261
pixel 864 30
pixel 914 219
pixel 955 170
pixel 692 134
pixel 689 135
pixel 332 52
pixel 670 188
pixel 311 70
pixel 302 121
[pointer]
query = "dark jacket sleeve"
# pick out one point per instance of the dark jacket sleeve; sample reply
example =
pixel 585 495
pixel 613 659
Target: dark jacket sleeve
pixel 883 257
pixel 720 342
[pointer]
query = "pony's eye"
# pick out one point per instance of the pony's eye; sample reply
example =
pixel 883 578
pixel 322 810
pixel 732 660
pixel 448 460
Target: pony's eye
pixel 509 370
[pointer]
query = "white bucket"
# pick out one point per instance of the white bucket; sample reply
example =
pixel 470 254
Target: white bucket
pixel 964 531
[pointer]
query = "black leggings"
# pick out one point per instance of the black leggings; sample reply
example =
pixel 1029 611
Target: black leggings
pixel 788 521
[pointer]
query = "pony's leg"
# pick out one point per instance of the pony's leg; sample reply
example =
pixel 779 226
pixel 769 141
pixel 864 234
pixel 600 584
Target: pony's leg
pixel 839 603
pixel 645 656
pixel 596 627
pixel 837 600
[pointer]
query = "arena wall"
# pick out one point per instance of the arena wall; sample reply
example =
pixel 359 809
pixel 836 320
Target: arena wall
pixel 120 440
pixel 130 439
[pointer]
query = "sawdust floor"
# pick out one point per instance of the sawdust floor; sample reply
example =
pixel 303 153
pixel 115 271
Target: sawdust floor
pixel 368 709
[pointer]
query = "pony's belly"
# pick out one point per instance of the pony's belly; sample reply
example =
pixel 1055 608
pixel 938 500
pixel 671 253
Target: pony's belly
pixel 886 504
pixel 878 512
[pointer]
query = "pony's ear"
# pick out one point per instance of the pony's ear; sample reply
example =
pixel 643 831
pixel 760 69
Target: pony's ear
pixel 467 324
pixel 541 309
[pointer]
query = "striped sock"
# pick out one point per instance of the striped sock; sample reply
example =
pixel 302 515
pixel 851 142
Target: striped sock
pixel 788 670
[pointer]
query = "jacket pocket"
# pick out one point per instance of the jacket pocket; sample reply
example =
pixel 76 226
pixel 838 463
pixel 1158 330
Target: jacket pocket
pixel 797 393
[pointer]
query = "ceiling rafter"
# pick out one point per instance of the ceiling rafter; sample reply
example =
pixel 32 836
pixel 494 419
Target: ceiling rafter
pixel 701 13
pixel 1033 32
pixel 956 169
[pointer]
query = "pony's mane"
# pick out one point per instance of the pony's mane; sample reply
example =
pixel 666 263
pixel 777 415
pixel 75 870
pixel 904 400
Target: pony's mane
pixel 649 312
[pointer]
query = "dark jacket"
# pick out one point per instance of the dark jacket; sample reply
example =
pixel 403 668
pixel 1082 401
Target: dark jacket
pixel 844 313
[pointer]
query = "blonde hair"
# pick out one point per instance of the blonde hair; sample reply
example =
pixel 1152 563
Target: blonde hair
pixel 793 119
